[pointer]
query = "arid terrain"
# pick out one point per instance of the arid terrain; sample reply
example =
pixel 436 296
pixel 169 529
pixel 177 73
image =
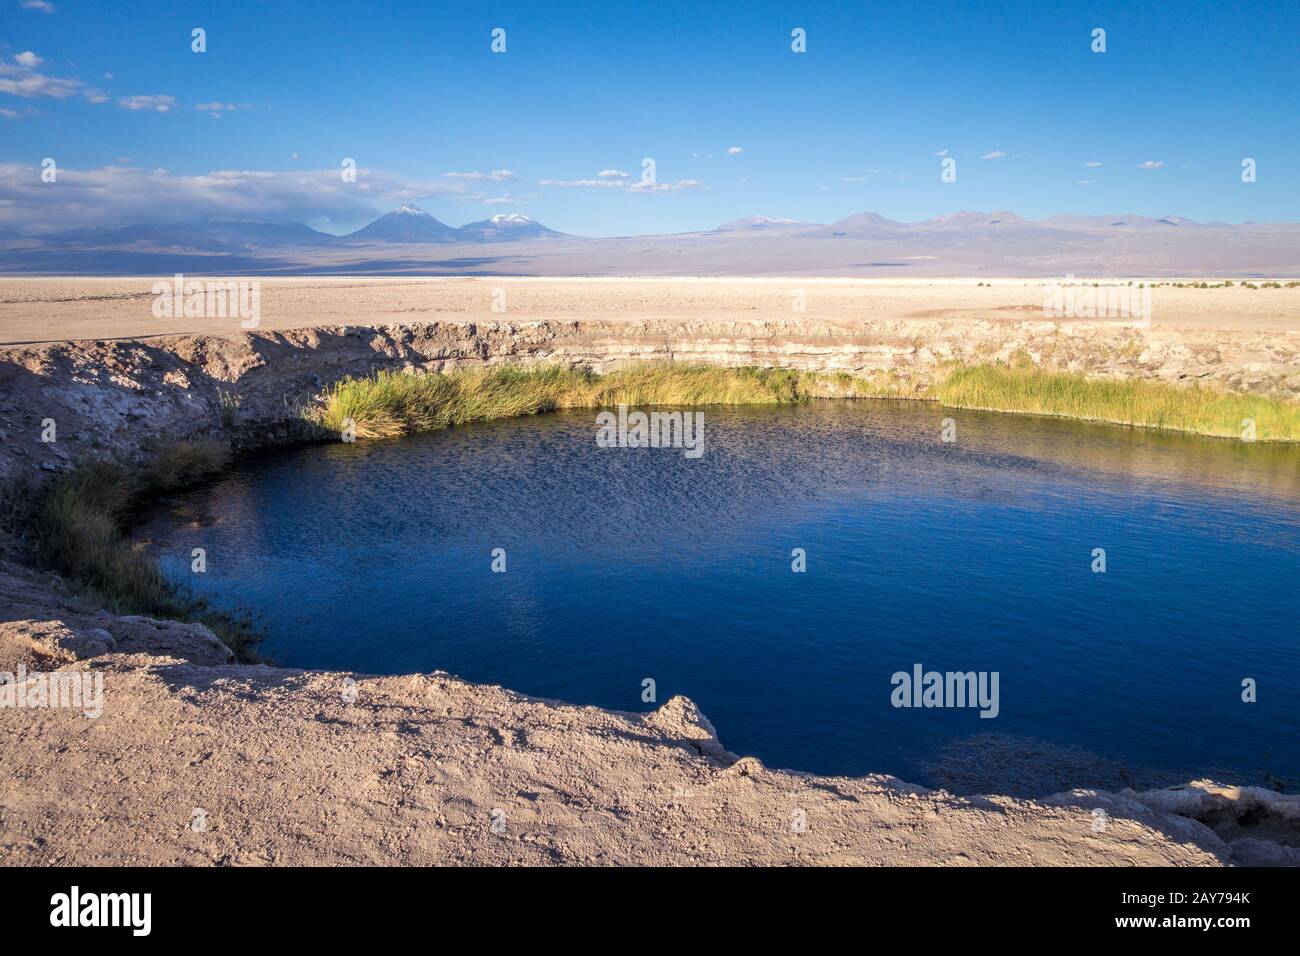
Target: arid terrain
pixel 198 759
pixel 60 309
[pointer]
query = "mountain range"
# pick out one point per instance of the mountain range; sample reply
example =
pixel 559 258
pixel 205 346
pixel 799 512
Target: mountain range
pixel 410 241
pixel 412 224
pixel 405 224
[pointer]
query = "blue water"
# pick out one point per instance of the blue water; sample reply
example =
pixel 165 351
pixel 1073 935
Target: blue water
pixel 626 564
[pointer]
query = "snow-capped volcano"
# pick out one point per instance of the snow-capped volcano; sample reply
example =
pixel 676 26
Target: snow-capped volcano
pixel 506 226
pixel 758 222
pixel 407 223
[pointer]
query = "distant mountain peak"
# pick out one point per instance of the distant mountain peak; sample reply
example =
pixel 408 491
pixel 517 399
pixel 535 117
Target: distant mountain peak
pixel 507 226
pixel 209 234
pixel 863 220
pixel 407 223
pixel 999 217
pixel 960 218
pixel 758 222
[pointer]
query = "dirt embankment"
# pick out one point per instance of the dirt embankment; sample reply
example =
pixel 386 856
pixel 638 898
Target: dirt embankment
pixel 196 759
pixel 121 397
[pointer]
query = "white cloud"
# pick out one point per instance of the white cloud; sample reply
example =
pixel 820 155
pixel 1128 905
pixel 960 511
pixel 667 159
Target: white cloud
pixel 42 5
pixel 735 150
pixel 1092 164
pixel 157 102
pixel 26 82
pixel 495 176
pixel 995 154
pixel 607 183
pixel 28 59
pixel 509 200
pixel 1085 182
pixel 119 195
pixel 942 152
pixel 10 114
pixel 681 184
pixel 215 109
pixel 632 186
pixel 1151 164
pixel 612 174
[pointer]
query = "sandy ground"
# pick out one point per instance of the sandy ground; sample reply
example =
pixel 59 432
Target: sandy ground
pixel 195 761
pixel 55 309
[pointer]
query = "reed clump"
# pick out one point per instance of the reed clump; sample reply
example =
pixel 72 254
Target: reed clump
pixel 389 404
pixel 79 531
pixel 1028 389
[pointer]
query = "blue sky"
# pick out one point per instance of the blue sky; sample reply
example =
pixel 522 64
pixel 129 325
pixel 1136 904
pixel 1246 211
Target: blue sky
pixel 413 92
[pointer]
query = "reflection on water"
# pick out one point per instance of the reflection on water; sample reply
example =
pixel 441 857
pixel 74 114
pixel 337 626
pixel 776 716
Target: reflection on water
pixel 624 564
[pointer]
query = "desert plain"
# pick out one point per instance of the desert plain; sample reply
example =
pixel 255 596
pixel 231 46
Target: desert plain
pixel 35 310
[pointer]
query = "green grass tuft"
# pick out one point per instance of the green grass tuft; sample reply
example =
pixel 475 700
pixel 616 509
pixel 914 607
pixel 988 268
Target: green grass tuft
pixel 1139 402
pixel 389 404
pixel 79 533
pixel 183 463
